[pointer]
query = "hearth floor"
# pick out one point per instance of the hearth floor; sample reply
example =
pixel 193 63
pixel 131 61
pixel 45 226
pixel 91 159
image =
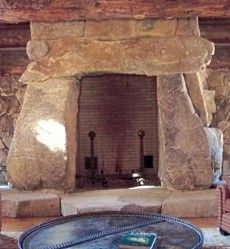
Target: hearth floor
pixel 116 181
pixel 12 228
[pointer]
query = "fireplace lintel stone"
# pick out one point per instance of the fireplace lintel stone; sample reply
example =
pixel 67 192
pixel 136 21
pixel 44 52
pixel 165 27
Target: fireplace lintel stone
pixel 147 56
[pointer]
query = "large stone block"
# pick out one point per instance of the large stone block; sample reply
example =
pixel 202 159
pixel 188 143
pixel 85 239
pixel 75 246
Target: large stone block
pixel 148 56
pixel 209 99
pixel 185 160
pixel 203 99
pixel 125 29
pixel 187 26
pixel 56 30
pixel 115 29
pixel 167 27
pixel 139 200
pixel 28 204
pixel 195 89
pixel 191 204
pixel 43 150
pixel 110 29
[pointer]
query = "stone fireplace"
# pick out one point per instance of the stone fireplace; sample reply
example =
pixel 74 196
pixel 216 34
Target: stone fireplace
pixel 115 77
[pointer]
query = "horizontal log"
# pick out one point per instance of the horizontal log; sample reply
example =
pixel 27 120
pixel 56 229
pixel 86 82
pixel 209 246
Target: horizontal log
pixel 14 36
pixel 13 61
pixel 59 10
pixel 12 70
pixel 215 30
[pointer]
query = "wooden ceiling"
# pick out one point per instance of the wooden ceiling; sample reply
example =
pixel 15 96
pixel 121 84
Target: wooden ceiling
pixel 15 11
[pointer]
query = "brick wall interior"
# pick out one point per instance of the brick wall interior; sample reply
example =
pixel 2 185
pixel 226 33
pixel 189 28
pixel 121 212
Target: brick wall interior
pixel 115 107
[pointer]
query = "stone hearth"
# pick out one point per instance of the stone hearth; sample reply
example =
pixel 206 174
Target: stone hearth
pixel 199 203
pixel 45 144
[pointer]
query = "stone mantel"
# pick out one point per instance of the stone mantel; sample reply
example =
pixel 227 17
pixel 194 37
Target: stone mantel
pixel 147 56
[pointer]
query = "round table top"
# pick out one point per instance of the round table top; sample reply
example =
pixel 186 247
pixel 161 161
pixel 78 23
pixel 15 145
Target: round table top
pixel 105 230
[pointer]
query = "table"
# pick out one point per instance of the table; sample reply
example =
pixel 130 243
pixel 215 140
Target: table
pixel 104 230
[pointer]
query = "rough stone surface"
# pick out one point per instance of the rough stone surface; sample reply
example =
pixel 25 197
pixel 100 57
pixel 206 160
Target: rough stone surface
pixel 201 203
pixel 43 149
pixel 36 49
pixel 219 80
pixel 151 199
pixel 188 26
pixel 11 98
pixel 126 29
pixel 148 56
pixel 115 200
pixel 215 139
pixel 195 89
pixel 30 204
pixel 115 29
pixel 56 30
pixel 225 127
pixel 191 204
pixel 185 159
pixel 110 29
pixel 209 99
pixel 202 98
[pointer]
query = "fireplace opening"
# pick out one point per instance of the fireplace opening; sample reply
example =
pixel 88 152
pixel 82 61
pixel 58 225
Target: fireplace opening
pixel 117 131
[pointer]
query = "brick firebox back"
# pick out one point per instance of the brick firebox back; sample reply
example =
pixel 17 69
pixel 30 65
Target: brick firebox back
pixel 115 107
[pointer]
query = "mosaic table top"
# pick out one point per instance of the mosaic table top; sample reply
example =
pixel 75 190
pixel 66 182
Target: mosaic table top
pixel 105 230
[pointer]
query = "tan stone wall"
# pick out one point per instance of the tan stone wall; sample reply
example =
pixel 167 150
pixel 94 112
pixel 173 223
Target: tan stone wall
pixel 116 107
pixel 11 98
pixel 219 80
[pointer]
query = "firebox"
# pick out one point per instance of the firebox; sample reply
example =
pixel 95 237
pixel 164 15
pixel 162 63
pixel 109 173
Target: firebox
pixel 115 107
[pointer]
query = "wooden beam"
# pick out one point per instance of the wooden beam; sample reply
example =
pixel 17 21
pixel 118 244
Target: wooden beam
pixel 221 59
pixel 14 36
pixel 215 30
pixel 59 10
pixel 13 61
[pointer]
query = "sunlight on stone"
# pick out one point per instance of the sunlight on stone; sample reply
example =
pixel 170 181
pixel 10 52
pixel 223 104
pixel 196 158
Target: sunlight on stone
pixel 52 134
pixel 144 187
